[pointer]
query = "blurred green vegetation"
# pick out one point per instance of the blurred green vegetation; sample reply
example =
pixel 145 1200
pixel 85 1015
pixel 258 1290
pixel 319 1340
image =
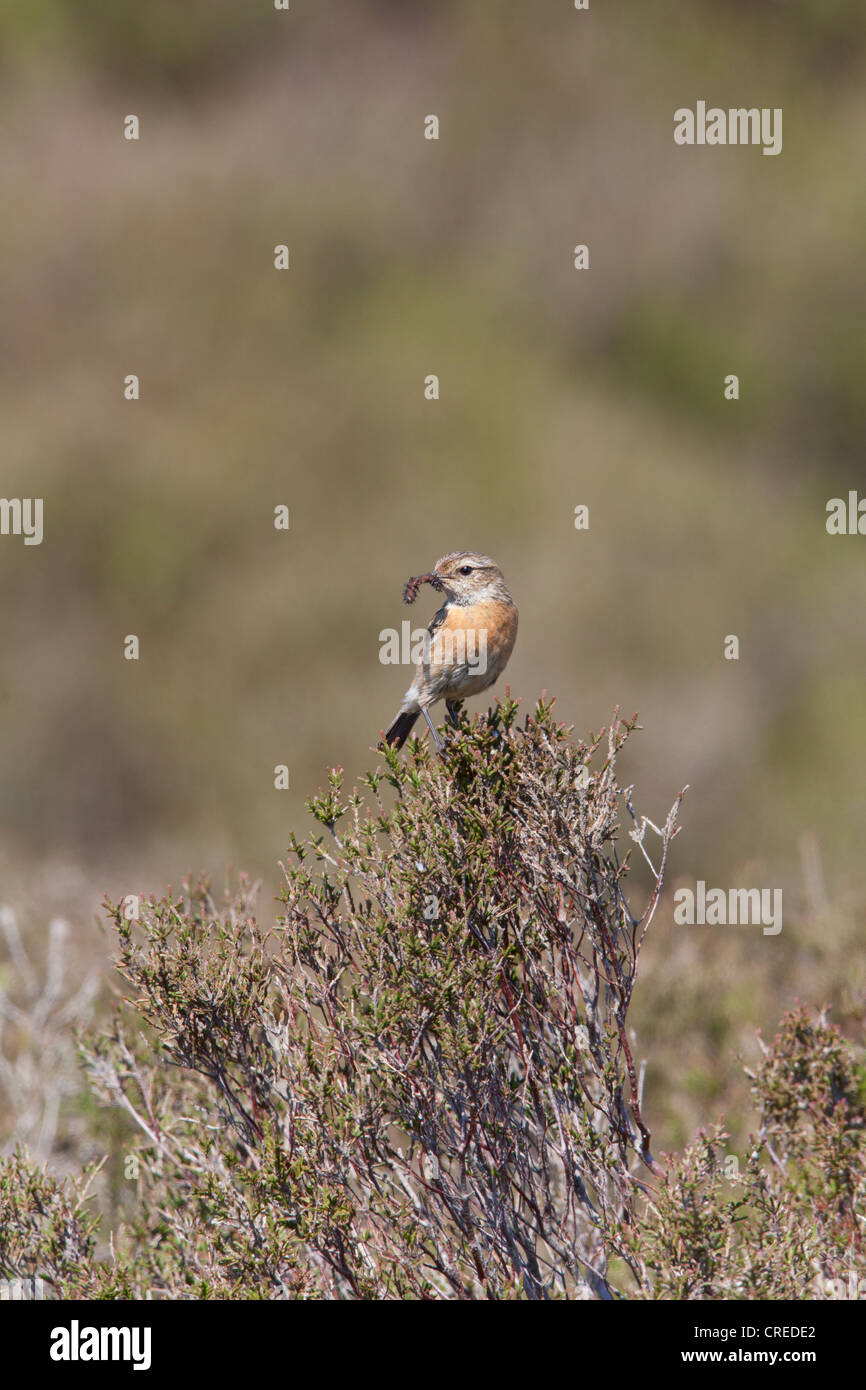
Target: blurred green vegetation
pixel 602 387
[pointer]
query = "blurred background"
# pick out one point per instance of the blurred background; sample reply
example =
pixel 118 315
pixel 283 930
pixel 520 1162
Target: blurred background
pixel 602 387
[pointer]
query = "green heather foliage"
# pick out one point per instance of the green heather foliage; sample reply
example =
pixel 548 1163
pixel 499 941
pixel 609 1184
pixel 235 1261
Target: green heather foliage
pixel 420 1082
pixel 789 1224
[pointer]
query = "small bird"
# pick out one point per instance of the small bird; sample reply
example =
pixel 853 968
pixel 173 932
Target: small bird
pixel 468 643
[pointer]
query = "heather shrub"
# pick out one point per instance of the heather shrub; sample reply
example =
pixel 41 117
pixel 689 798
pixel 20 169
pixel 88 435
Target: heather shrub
pixel 784 1222
pixel 421 1080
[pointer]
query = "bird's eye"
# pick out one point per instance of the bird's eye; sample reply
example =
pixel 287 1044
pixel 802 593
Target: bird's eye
pixel 465 569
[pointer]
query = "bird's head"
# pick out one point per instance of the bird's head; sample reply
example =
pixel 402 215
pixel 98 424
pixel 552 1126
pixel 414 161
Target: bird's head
pixel 467 577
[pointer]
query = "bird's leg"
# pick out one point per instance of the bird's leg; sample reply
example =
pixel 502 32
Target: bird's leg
pixel 453 708
pixel 432 727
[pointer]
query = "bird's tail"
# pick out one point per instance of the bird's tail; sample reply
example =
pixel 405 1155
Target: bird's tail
pixel 400 729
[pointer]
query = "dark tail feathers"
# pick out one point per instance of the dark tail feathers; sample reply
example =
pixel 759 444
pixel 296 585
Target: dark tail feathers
pixel 400 729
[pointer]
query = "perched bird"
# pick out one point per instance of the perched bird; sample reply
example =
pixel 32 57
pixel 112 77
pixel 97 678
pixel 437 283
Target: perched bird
pixel 468 643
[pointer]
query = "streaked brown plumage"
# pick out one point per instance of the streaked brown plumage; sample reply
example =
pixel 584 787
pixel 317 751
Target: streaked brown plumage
pixel 470 638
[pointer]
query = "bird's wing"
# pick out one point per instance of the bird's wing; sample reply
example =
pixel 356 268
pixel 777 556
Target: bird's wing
pixel 438 619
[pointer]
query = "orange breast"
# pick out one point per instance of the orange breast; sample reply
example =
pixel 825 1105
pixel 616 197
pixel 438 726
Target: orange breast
pixel 467 632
